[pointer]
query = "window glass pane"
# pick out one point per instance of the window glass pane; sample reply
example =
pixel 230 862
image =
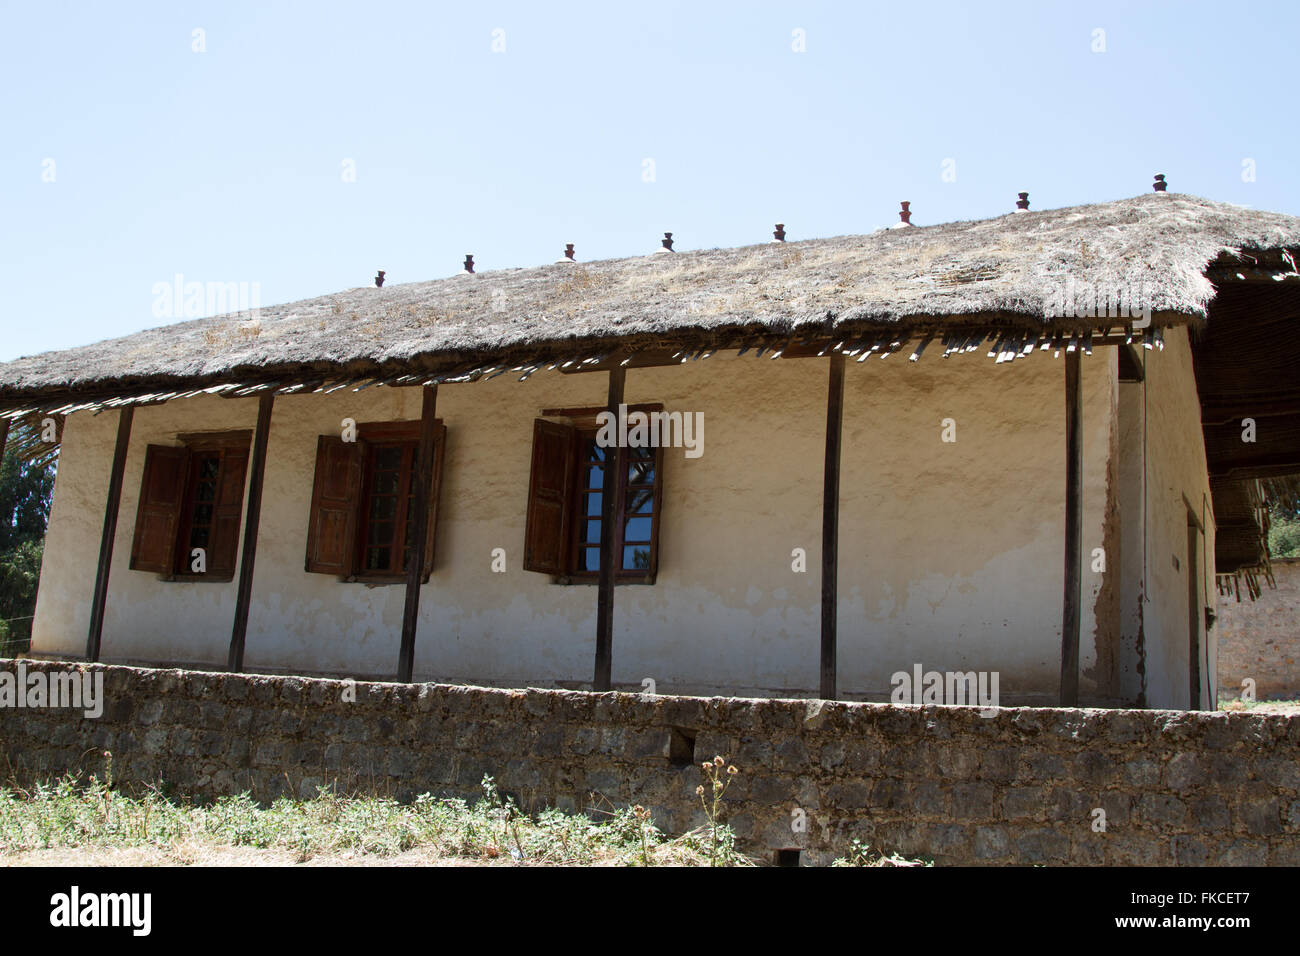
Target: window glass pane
pixel 636 558
pixel 388 459
pixel 203 514
pixel 383 508
pixel 591 532
pixel 590 559
pixel 380 533
pixel 593 503
pixel 208 467
pixel 640 501
pixel 594 451
pixel 206 491
pixel 595 476
pixel 377 559
pixel 641 472
pixel 638 530
pixel 386 483
pixel 641 451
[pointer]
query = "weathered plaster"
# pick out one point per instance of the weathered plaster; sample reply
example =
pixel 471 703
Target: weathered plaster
pixel 1176 476
pixel 950 553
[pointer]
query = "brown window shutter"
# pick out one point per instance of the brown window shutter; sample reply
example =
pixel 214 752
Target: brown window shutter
pixel 439 449
pixel 332 528
pixel 227 515
pixel 550 488
pixel 161 491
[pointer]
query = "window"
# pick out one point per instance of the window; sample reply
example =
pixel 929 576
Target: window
pixel 571 474
pixel 191 505
pixel 362 523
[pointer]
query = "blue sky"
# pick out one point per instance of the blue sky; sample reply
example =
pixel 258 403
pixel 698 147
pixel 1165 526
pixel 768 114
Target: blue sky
pixel 228 165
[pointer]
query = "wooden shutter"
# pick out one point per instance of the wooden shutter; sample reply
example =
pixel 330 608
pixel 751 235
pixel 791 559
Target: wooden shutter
pixel 161 492
pixel 332 526
pixel 227 512
pixel 550 488
pixel 439 448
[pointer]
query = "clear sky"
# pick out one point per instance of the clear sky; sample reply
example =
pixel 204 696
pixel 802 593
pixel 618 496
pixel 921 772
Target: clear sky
pixel 507 130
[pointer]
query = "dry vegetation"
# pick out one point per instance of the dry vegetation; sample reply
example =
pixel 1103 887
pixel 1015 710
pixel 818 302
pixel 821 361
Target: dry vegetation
pixel 67 822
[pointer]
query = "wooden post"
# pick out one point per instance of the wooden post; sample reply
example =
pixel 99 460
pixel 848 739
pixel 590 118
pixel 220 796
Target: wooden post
pixel 831 525
pixel 1071 602
pixel 422 482
pixel 110 532
pixel 610 483
pixel 252 518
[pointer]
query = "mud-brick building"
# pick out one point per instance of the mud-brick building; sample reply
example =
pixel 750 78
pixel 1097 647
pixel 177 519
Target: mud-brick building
pixel 976 447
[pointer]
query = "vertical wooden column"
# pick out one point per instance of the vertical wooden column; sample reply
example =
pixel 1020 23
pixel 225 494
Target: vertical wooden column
pixel 110 532
pixel 1071 601
pixel 609 561
pixel 831 525
pixel 422 481
pixel 252 519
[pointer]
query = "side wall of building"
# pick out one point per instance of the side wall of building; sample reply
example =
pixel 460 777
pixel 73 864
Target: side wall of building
pixel 950 551
pixel 1176 489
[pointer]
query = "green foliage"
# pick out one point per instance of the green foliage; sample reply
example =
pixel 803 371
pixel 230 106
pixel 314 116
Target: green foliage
pixel 25 492
pixel 70 814
pixel 863 854
pixel 20 572
pixel 1284 535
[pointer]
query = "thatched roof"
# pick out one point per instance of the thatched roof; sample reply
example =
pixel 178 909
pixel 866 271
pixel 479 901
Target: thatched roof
pixel 994 273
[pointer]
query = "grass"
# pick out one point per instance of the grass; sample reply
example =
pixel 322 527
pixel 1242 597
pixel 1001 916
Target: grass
pixel 1276 705
pixel 863 854
pixel 91 821
pixel 69 821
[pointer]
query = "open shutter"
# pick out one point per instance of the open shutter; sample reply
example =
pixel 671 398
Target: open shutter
pixel 161 491
pixel 332 527
pixel 227 514
pixel 439 448
pixel 550 487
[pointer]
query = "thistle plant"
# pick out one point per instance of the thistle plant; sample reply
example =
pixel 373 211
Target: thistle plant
pixel 644 828
pixel 717 781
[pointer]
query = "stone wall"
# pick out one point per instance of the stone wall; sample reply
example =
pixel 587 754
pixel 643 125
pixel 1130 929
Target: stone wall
pixel 1261 639
pixel 1021 786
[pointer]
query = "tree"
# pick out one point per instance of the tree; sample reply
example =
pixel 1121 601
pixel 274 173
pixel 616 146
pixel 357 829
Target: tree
pixel 1283 535
pixel 26 489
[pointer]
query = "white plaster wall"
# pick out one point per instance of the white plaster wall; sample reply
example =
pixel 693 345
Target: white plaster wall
pixel 145 618
pixel 951 554
pixel 1176 473
pixel 1132 557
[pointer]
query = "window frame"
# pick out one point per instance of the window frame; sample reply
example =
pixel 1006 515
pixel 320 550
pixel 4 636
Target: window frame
pixel 196 446
pixel 584 423
pixel 185 522
pixel 370 438
pixel 575 573
pixel 410 452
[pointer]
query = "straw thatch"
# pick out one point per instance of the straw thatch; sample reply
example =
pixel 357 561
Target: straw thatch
pixel 996 273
